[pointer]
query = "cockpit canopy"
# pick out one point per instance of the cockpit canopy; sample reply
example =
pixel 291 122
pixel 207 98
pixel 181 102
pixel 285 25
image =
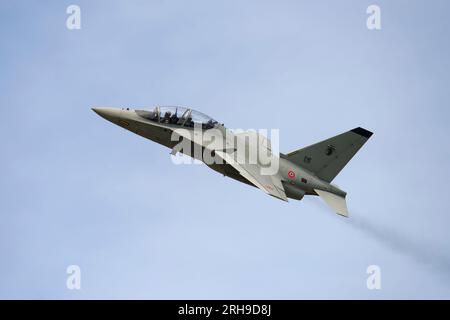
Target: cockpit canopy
pixel 180 116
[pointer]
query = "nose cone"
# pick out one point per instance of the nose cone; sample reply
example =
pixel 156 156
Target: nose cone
pixel 110 114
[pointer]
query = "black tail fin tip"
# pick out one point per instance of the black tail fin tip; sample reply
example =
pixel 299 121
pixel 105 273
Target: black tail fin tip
pixel 363 132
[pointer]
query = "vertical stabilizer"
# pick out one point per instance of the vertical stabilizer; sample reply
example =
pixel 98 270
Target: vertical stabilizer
pixel 327 158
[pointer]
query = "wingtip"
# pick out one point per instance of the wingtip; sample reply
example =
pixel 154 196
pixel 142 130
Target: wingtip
pixel 363 132
pixel 345 215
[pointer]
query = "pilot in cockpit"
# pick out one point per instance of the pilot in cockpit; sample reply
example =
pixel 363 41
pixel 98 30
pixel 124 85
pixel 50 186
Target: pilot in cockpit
pixel 174 119
pixel 186 118
pixel 189 122
pixel 209 124
pixel 166 118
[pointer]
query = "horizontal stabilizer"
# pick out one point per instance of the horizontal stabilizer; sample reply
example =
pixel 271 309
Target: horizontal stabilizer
pixel 337 203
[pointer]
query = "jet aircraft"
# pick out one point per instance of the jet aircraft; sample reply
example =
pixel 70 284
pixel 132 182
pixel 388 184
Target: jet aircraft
pixel 306 171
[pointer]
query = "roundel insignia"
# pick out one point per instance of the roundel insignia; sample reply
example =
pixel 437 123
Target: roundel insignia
pixel 291 174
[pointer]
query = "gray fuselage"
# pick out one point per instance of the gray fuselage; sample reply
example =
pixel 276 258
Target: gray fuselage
pixel 296 180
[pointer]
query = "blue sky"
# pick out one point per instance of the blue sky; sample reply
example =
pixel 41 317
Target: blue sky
pixel 76 189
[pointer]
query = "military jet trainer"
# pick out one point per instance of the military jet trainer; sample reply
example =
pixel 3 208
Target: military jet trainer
pixel 306 171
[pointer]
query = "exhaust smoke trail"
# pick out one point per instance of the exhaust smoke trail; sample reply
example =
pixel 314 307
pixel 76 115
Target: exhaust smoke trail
pixel 421 252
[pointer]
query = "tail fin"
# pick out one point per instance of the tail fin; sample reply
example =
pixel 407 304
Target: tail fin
pixel 337 203
pixel 327 158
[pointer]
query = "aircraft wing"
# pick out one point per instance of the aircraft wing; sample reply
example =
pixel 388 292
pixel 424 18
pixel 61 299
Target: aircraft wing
pixel 270 184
